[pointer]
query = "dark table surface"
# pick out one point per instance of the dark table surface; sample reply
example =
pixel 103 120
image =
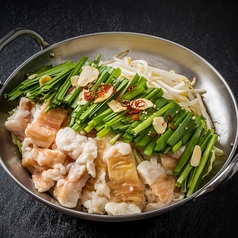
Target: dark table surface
pixel 209 28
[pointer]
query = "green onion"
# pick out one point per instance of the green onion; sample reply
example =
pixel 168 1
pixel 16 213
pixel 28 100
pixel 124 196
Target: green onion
pixel 149 120
pixel 202 164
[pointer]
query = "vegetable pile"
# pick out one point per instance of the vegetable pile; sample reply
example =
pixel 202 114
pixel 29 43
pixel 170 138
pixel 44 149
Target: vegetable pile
pixel 105 98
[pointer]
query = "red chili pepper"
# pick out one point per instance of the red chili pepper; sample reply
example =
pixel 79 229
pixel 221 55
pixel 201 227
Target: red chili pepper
pixel 70 90
pixel 136 117
pixel 133 112
pixel 169 118
pixel 139 103
pixel 103 90
pixel 126 104
pixel 131 88
pixel 172 126
pixel 89 95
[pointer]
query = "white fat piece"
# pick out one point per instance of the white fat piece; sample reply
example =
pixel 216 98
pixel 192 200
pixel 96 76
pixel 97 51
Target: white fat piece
pixel 114 208
pixel 80 148
pixel 149 171
pixel 124 149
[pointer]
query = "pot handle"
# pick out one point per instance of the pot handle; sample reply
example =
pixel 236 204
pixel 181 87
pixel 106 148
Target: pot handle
pixel 222 177
pixel 12 35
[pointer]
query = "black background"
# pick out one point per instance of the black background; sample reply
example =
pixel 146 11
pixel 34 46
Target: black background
pixel 208 28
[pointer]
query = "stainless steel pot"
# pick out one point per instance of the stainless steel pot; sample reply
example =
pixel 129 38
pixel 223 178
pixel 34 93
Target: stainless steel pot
pixel 159 52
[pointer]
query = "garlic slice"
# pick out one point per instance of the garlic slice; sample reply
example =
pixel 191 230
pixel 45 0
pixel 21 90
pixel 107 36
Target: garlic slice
pixel 32 76
pixel 196 156
pixel 116 106
pixel 104 96
pixel 159 125
pixel 74 80
pixel 44 79
pixel 141 104
pixel 81 100
pixel 88 75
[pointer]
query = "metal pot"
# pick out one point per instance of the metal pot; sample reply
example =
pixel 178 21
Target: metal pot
pixel 156 51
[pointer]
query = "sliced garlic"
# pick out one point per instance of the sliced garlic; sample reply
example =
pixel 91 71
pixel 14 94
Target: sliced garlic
pixel 104 96
pixel 196 156
pixel 32 76
pixel 44 79
pixel 141 104
pixel 81 100
pixel 74 80
pixel 88 75
pixel 116 106
pixel 159 125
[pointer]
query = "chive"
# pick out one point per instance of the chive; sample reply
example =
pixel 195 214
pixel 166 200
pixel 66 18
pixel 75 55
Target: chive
pixel 78 126
pixel 162 141
pixel 115 138
pixel 99 119
pixel 190 171
pixel 50 84
pixel 74 104
pixel 189 178
pixel 103 132
pixel 123 128
pixel 90 126
pixel 97 60
pixel 51 72
pixel 150 131
pixel 134 80
pixel 138 156
pixel 183 141
pixel 85 114
pixel 149 149
pixel 128 135
pixel 154 94
pixel 142 82
pixel 147 93
pixel 206 139
pixel 172 111
pixel 116 125
pixel 179 132
pixel 115 74
pixel 102 78
pixel 29 85
pixel 99 127
pixel 189 148
pixel 177 146
pixel 117 117
pixel 70 97
pixel 141 136
pixel 202 164
pixel 134 93
pixel 92 110
pixel 66 85
pixel 149 120
pixel 81 108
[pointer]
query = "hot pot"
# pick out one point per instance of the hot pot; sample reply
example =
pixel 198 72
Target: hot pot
pixel 219 100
